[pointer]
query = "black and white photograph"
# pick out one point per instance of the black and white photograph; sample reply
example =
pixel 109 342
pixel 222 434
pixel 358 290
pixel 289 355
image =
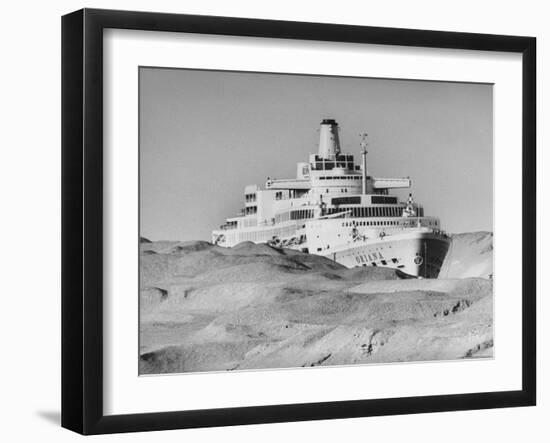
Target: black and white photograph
pixel 275 222
pixel 299 221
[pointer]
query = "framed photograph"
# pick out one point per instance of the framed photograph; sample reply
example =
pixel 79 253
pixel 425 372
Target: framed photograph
pixel 268 221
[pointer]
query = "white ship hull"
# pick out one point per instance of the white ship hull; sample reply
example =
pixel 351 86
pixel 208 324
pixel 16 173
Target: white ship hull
pixel 418 253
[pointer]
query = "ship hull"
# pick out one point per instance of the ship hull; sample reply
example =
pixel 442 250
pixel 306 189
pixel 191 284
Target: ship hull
pixel 419 254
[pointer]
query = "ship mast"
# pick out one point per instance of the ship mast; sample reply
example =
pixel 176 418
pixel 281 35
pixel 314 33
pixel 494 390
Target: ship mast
pixel 364 161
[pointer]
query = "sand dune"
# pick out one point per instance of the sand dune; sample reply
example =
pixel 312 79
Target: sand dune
pixel 206 308
pixel 470 255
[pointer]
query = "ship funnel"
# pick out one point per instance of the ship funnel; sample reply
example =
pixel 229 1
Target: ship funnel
pixel 329 141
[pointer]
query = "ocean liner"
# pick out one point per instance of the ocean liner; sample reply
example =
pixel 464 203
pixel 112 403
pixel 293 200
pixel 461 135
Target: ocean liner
pixel 335 209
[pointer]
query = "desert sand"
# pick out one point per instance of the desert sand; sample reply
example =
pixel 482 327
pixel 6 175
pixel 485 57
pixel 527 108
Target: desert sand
pixel 206 308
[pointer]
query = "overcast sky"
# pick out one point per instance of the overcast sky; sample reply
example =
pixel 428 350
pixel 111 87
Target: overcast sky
pixel 204 135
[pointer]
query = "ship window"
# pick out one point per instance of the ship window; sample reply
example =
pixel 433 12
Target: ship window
pixel 346 200
pixel 379 199
pixel 394 260
pixel 327 191
pixel 373 264
pixel 384 262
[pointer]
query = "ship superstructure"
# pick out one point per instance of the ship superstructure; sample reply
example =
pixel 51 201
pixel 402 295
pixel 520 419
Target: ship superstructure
pixel 335 209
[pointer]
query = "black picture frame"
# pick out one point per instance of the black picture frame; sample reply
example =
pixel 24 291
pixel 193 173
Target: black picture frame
pixel 82 220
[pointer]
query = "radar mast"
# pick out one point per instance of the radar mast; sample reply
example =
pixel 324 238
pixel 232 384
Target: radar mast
pixel 364 153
